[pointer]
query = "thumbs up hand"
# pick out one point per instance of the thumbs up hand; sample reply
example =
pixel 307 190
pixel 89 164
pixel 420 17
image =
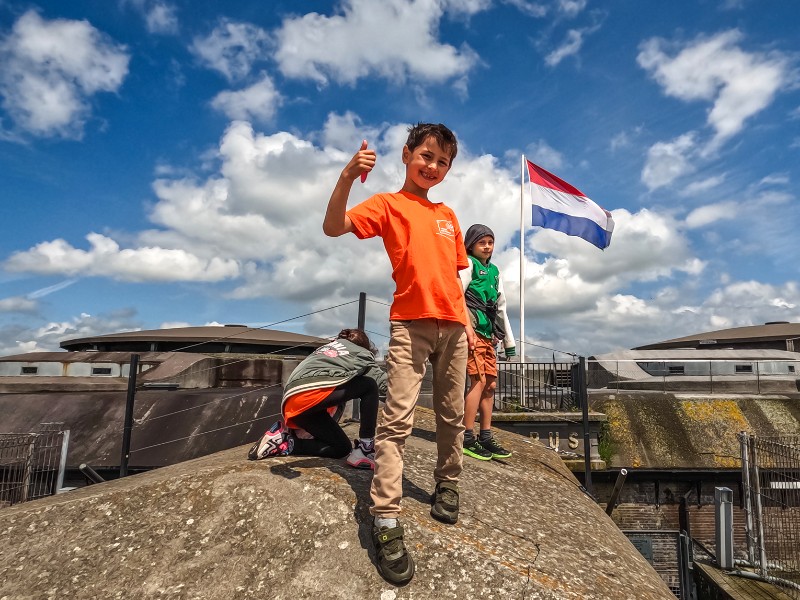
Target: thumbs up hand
pixel 362 163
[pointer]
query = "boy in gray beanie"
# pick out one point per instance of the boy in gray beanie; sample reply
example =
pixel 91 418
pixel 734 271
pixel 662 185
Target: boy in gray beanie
pixel 483 290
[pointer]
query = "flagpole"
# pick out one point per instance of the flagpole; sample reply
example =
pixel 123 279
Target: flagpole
pixel 521 352
pixel 522 282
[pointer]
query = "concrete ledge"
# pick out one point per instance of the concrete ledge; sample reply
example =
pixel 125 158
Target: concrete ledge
pixel 559 431
pixel 545 417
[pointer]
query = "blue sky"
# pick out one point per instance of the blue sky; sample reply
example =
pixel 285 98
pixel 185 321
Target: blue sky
pixel 169 163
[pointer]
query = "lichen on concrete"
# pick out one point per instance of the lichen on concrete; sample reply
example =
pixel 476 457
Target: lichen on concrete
pixel 669 430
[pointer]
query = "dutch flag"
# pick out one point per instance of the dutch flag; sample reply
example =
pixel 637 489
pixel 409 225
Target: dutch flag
pixel 560 206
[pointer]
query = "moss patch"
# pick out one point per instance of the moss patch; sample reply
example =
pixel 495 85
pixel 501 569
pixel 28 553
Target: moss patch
pixel 716 423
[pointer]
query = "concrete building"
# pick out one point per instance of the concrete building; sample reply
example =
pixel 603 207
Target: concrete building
pixel 236 339
pixel 777 335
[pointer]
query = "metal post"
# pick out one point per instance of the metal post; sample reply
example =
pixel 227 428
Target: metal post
pixel 762 552
pixel 128 425
pixel 90 473
pixel 612 503
pixel 587 444
pixel 711 376
pixel 62 465
pixel 723 531
pixel 758 380
pixel 362 310
pixel 684 567
pixel 748 499
pixel 27 471
pixel 362 321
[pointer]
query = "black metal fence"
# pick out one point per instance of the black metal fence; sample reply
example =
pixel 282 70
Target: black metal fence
pixel 536 386
pixel 32 464
pixel 771 478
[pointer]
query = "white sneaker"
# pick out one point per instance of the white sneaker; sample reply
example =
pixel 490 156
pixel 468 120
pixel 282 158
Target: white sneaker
pixel 362 456
pixel 277 441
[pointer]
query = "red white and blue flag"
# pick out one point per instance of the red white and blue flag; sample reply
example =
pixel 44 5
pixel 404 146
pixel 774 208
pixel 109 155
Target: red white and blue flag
pixel 560 206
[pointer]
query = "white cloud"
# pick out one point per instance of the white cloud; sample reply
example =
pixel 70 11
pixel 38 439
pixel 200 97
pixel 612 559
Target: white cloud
pixel 699 187
pixel 571 8
pixel 667 161
pixel 357 43
pixel 621 140
pixel 159 16
pixel 544 155
pixel 18 304
pixel 17 339
pixel 50 71
pixel 257 102
pixel 775 179
pixel 174 324
pixel 231 48
pixel 529 8
pixel 105 258
pixel 46 291
pixel 569 47
pixel 717 70
pixel 705 215
pixel 754 303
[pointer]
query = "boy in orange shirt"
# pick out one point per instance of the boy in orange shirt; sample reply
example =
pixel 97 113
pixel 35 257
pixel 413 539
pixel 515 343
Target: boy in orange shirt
pixel 428 322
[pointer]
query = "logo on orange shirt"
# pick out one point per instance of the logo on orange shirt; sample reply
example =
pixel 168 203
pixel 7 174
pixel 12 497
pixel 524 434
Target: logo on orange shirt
pixel 446 229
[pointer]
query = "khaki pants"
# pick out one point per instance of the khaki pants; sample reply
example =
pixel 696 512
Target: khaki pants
pixel 412 344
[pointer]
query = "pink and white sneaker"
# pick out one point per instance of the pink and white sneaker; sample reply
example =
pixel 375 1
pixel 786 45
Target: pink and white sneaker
pixel 277 441
pixel 362 456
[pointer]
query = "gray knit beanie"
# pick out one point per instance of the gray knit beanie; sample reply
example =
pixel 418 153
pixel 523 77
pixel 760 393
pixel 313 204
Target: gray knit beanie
pixel 474 233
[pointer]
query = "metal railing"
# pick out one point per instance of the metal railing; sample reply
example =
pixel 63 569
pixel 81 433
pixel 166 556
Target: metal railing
pixel 32 464
pixel 536 386
pixel 720 376
pixel 771 480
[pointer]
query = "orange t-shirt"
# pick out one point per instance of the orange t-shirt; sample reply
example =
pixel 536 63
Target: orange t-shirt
pixel 426 249
pixel 301 402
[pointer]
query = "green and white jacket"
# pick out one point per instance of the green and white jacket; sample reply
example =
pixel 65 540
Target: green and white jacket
pixel 486 301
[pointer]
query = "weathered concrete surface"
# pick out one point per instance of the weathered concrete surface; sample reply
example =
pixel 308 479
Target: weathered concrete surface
pixel 672 430
pixel 220 527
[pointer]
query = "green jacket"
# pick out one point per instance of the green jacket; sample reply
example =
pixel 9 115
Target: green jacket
pixel 483 289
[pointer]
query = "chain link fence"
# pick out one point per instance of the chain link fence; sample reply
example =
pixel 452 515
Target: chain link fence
pixel 771 478
pixel 32 464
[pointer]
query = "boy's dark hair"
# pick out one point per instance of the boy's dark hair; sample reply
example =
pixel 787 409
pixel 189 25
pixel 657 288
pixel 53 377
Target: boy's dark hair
pixel 358 337
pixel 443 136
